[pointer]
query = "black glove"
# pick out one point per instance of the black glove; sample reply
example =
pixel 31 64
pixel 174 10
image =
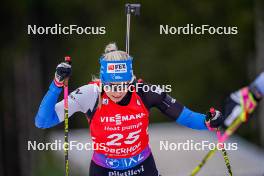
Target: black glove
pixel 63 71
pixel 214 118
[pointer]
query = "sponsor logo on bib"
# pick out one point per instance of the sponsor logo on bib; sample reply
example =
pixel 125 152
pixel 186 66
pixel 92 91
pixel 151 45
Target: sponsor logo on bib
pixel 118 118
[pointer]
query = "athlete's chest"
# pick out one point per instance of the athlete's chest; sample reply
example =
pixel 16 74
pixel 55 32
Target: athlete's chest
pixel 122 129
pixel 111 113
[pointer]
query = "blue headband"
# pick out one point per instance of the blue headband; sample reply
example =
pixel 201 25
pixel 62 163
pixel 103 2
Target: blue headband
pixel 116 71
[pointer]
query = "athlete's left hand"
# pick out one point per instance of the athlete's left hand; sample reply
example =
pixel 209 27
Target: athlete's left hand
pixel 214 119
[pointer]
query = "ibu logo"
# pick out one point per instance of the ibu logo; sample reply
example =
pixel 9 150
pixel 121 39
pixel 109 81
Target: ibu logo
pixel 113 163
pixel 116 68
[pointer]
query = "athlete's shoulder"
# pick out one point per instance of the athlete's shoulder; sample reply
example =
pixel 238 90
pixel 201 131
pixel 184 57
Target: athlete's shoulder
pixel 86 89
pixel 86 96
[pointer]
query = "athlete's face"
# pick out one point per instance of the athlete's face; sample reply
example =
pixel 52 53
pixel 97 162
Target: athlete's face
pixel 116 91
pixel 116 96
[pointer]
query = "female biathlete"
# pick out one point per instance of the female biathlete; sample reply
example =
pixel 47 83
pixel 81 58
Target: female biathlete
pixel 118 115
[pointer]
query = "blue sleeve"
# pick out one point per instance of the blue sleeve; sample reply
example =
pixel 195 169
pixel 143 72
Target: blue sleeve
pixel 46 116
pixel 192 119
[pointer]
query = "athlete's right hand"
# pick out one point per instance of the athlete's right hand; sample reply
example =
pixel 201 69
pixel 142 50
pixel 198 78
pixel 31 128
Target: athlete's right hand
pixel 214 119
pixel 63 71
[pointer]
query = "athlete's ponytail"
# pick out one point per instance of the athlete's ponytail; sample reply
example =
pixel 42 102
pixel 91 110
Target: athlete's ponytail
pixel 110 47
pixel 113 54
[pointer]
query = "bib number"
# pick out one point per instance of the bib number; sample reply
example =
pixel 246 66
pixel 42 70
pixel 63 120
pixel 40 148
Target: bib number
pixel 130 139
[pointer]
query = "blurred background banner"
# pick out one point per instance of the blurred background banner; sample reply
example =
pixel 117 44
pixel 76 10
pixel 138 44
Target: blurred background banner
pixel 202 69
